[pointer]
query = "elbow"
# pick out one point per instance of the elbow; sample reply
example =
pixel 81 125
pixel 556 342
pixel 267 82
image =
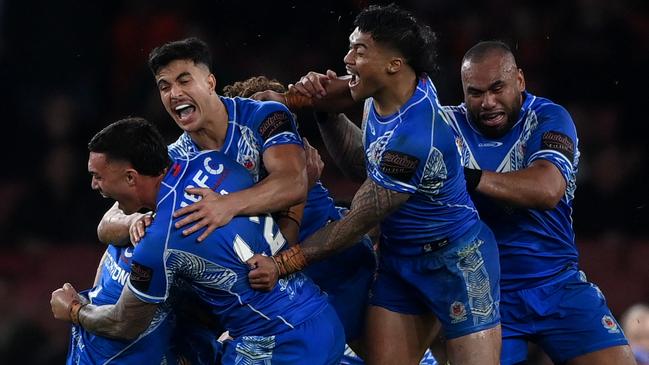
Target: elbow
pixel 102 233
pixel 550 200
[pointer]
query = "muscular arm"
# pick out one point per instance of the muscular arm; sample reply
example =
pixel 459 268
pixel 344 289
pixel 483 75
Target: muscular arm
pixel 371 204
pixel 126 319
pixel 344 141
pixel 114 226
pixel 539 186
pixel 284 186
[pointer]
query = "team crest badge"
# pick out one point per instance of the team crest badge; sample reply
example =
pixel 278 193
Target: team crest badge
pixel 457 312
pixel 248 163
pixel 609 323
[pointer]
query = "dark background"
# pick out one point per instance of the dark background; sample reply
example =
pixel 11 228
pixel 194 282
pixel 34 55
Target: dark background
pixel 68 68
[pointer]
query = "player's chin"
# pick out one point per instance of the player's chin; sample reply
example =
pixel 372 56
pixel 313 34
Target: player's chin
pixel 358 94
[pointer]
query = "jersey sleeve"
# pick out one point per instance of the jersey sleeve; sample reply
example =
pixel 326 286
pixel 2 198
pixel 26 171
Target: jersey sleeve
pixel 275 125
pixel 554 140
pixel 148 279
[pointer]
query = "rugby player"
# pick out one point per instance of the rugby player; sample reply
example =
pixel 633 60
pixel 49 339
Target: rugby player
pixel 521 155
pixel 437 259
pixel 293 324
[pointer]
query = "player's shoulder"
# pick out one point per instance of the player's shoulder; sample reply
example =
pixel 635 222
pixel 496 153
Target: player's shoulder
pixel 545 108
pixel 458 111
pixel 257 109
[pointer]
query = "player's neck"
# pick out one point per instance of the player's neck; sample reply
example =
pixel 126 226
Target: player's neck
pixel 396 92
pixel 149 186
pixel 212 135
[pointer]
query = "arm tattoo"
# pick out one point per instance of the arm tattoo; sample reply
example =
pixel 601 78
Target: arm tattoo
pixel 126 319
pixel 344 141
pixel 371 204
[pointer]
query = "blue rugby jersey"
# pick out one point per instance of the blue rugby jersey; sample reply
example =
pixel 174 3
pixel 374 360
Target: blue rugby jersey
pixel 534 244
pixel 149 347
pixel 216 268
pixel 252 129
pixel 413 151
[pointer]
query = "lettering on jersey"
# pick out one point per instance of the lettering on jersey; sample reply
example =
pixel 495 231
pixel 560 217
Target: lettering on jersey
pixel 275 123
pixel 200 179
pixel 399 165
pixel 141 276
pixel 558 142
pixel 116 272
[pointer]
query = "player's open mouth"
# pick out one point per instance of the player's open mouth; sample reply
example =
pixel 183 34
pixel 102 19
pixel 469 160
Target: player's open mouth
pixel 493 118
pixel 184 111
pixel 354 79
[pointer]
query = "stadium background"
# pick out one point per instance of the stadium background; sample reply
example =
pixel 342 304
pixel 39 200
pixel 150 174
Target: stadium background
pixel 70 67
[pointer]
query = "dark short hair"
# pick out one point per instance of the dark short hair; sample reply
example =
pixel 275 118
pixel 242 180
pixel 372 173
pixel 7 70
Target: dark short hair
pixel 185 49
pixel 252 85
pixel 133 140
pixel 399 29
pixel 478 52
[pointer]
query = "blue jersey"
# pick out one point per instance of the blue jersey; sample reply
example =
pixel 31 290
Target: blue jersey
pixel 413 151
pixel 216 268
pixel 534 244
pixel 253 126
pixel 149 347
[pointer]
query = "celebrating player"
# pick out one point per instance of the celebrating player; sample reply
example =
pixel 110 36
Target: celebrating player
pixel 293 324
pixel 437 259
pixel 521 156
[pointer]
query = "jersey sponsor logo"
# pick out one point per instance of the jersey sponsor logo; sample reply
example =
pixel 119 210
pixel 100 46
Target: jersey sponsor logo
pixel 558 142
pixel 609 323
pixel 275 123
pixel 399 165
pixel 457 312
pixel 490 144
pixel 141 276
pixel 115 272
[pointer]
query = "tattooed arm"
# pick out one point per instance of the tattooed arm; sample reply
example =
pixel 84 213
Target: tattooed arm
pixel 371 204
pixel 126 319
pixel 344 141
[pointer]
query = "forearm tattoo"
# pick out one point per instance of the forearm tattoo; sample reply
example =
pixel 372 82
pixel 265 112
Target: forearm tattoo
pixel 124 320
pixel 344 141
pixel 371 204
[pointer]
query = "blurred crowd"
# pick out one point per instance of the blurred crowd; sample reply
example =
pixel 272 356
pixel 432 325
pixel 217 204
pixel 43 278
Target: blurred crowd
pixel 71 67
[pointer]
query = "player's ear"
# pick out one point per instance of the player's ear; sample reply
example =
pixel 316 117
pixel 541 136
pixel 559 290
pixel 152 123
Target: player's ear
pixel 520 80
pixel 131 176
pixel 395 65
pixel 211 81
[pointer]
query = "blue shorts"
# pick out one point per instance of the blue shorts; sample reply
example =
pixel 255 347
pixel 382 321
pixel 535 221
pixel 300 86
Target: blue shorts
pixel 458 283
pixel 318 341
pixel 567 317
pixel 346 278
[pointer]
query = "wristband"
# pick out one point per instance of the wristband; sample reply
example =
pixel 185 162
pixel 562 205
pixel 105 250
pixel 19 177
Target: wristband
pixel 75 307
pixel 472 177
pixel 290 261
